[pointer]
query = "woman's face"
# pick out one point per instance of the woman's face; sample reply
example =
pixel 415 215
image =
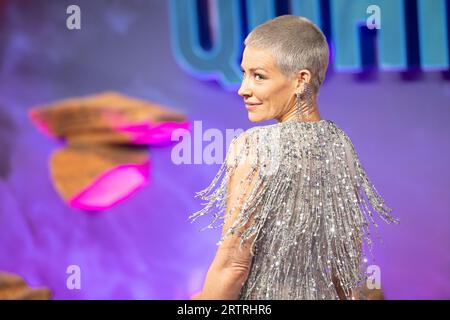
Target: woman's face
pixel 267 92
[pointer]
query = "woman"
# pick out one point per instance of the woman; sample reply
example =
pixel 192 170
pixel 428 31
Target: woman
pixel 297 201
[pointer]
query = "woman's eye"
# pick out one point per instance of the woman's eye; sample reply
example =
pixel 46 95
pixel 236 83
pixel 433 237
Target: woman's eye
pixel 258 76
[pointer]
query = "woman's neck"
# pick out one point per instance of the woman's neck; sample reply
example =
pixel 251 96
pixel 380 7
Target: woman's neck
pixel 307 117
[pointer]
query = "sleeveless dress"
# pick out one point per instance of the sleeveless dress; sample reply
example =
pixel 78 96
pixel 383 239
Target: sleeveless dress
pixel 310 208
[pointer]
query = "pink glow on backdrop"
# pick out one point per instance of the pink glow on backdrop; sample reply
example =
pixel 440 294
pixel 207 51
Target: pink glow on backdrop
pixel 146 133
pixel 112 187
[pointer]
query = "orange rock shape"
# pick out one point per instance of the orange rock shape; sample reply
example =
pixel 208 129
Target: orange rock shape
pixel 108 118
pixel 13 287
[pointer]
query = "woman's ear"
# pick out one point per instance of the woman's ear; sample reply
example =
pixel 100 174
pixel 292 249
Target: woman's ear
pixel 303 76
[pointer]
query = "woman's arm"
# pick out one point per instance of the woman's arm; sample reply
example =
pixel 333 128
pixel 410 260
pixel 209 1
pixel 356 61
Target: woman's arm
pixel 226 275
pixel 339 290
pixel 225 278
pixel 231 265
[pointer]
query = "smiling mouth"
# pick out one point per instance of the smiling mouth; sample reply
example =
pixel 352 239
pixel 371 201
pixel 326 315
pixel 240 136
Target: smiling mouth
pixel 252 106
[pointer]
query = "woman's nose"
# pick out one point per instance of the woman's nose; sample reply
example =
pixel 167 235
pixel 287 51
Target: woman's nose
pixel 244 90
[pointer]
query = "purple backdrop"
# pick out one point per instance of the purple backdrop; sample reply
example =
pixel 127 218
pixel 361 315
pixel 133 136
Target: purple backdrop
pixel 144 248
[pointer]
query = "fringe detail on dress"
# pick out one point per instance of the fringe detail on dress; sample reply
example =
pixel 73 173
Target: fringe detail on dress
pixel 311 206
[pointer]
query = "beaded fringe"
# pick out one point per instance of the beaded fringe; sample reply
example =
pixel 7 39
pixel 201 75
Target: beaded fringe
pixel 308 204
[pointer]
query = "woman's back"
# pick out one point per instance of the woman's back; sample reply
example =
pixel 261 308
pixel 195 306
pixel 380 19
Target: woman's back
pixel 310 207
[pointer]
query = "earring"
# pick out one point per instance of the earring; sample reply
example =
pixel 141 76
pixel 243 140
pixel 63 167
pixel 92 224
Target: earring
pixel 306 96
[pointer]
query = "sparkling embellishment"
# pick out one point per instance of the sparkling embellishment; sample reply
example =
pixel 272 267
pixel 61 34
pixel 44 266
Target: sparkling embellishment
pixel 307 179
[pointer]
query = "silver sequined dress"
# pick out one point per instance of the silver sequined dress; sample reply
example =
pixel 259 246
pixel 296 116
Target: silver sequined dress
pixel 308 204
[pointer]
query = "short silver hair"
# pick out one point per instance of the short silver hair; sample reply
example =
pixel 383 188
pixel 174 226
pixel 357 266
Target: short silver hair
pixel 295 43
